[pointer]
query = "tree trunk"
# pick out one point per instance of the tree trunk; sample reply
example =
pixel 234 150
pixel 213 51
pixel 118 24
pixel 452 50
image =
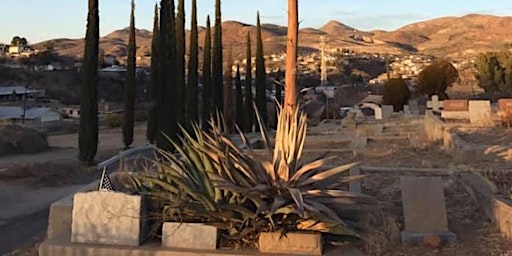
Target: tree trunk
pixel 291 93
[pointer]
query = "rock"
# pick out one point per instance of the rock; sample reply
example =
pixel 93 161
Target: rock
pixel 189 236
pixel 433 241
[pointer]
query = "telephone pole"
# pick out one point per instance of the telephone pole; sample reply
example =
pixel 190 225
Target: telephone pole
pixel 323 65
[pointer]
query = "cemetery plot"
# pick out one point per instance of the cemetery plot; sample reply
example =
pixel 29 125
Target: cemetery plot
pixel 495 136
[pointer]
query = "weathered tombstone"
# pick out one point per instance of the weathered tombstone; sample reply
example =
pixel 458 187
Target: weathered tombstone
pixel 387 111
pixel 101 217
pixel 480 112
pixel 424 209
pixel 407 110
pixel 414 107
pixel 455 109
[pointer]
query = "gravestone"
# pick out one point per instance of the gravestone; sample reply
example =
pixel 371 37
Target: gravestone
pixel 378 113
pixel 455 105
pixel 505 105
pixel 101 217
pixel 407 110
pixel 414 106
pixel 434 103
pixel 480 112
pixel 424 209
pixel 455 109
pixel 355 185
pixel 387 111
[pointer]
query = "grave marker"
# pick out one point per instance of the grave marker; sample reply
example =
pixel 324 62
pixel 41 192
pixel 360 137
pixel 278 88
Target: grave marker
pixel 455 105
pixel 505 105
pixel 387 111
pixel 414 106
pixel 480 112
pixel 424 209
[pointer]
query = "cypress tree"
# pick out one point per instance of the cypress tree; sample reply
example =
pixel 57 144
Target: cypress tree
pixel 151 131
pixel 193 63
pixel 217 62
pixel 249 111
pixel 88 134
pixel 229 110
pixel 180 63
pixel 261 76
pixel 129 86
pixel 167 125
pixel 239 99
pixel 207 76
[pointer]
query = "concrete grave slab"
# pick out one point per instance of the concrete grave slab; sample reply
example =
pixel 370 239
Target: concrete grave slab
pixel 104 217
pixel 424 209
pixel 455 105
pixel 189 235
pixel 480 112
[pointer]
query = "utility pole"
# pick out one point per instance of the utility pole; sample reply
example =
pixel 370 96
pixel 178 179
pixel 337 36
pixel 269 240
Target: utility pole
pixel 291 92
pixel 24 105
pixel 323 65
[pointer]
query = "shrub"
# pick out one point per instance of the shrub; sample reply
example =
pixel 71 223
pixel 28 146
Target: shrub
pixel 396 93
pixel 113 120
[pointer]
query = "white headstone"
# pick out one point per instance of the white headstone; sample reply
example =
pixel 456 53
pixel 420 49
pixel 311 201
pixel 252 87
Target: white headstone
pixel 378 113
pixel 434 104
pixel 480 112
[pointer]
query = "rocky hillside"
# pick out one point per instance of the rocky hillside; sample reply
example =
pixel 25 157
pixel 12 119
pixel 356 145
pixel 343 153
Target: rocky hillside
pixel 448 36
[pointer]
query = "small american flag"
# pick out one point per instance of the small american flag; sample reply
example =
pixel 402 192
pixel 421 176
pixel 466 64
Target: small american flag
pixel 105 183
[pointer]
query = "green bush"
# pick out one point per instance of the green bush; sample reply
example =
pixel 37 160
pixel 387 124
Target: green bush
pixel 396 93
pixel 113 120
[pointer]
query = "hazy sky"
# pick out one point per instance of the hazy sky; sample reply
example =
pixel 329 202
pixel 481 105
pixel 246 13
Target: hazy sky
pixel 38 20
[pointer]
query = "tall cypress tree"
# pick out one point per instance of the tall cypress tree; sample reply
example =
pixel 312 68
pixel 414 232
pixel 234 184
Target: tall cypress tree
pixel 249 111
pixel 239 99
pixel 193 63
pixel 217 62
pixel 151 132
pixel 229 108
pixel 180 63
pixel 261 75
pixel 129 86
pixel 167 125
pixel 88 134
pixel 207 76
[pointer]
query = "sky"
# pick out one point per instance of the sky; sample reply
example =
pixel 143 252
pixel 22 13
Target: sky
pixel 39 20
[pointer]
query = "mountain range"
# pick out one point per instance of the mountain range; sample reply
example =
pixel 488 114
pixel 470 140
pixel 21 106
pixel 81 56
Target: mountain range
pixel 456 37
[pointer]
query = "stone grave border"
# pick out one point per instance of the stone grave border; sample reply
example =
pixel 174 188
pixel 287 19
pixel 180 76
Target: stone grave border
pixel 496 207
pixel 462 151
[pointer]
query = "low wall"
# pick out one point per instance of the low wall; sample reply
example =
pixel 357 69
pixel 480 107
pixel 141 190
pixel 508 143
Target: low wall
pixel 497 208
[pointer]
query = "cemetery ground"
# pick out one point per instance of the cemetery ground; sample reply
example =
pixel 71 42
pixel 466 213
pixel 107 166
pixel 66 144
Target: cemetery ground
pixel 384 157
pixel 30 183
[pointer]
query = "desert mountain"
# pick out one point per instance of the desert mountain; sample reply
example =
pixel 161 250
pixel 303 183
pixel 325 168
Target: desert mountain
pixel 448 36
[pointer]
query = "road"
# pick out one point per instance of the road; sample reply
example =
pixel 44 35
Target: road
pixel 24 210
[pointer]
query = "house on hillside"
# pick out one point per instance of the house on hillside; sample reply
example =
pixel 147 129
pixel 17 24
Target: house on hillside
pixel 38 117
pixel 16 49
pixel 14 93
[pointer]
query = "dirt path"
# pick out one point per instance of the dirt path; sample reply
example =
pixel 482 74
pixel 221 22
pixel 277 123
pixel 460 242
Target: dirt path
pixel 25 201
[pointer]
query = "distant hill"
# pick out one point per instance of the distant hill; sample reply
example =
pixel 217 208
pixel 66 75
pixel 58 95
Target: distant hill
pixel 447 36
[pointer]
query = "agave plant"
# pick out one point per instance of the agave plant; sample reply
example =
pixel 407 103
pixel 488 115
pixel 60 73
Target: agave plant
pixel 210 179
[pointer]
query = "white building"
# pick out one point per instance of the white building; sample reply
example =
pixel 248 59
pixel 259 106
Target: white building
pixel 38 117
